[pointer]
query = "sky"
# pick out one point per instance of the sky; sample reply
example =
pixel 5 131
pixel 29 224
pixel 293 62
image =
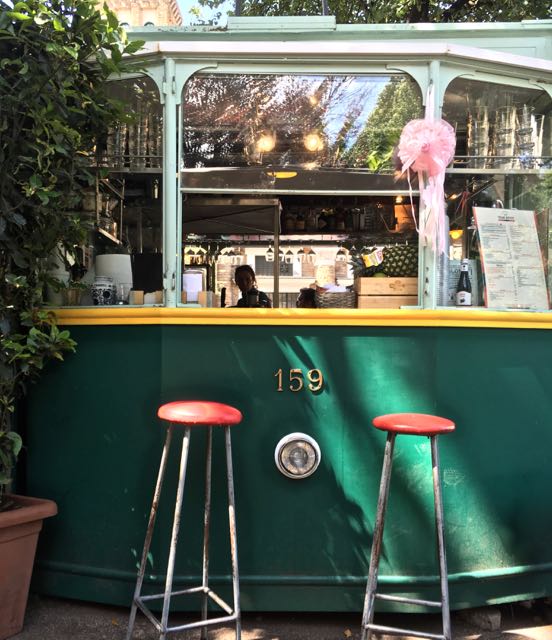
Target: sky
pixel 185 6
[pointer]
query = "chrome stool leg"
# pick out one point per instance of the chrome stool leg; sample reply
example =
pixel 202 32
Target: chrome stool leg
pixel 233 535
pixel 440 530
pixel 188 414
pixel 369 600
pixel 149 532
pixel 206 529
pixel 411 424
pixel 175 531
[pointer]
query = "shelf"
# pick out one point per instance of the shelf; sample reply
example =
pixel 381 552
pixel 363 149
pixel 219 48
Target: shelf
pixel 107 235
pixel 118 192
pixel 132 170
pixel 500 172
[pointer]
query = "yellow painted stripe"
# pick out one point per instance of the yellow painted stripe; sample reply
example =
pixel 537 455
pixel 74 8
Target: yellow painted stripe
pixel 470 318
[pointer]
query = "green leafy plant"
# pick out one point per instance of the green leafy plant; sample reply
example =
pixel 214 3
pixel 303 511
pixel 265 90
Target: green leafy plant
pixel 10 446
pixel 359 266
pixel 55 59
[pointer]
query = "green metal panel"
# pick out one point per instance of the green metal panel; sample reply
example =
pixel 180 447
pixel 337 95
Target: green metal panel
pixel 94 444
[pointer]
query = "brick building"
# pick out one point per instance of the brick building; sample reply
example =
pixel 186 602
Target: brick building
pixel 138 13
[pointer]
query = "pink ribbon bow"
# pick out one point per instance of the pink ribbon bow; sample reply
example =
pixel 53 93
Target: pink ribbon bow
pixel 427 147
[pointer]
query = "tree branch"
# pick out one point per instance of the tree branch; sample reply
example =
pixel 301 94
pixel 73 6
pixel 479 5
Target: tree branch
pixel 456 6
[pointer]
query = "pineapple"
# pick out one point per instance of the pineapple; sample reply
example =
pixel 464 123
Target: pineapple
pixel 360 270
pixel 400 261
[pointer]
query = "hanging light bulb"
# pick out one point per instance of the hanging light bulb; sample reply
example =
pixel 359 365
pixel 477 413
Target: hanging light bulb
pixel 188 254
pixel 313 141
pixel 301 255
pixel 265 142
pixel 230 255
pixel 269 255
pixel 289 257
pixel 281 255
pixel 311 256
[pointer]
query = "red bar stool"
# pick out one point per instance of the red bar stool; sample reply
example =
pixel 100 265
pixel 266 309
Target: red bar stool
pixel 192 414
pixel 417 424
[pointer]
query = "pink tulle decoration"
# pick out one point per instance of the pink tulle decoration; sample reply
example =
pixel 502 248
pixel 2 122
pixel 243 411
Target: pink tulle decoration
pixel 427 147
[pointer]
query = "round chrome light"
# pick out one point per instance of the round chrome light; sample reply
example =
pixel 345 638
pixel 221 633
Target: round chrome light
pixel 297 456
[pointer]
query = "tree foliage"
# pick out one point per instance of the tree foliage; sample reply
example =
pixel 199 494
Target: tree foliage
pixel 55 57
pixel 398 103
pixel 397 11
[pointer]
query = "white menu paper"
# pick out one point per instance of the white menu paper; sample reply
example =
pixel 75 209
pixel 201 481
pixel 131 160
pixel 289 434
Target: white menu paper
pixel 511 259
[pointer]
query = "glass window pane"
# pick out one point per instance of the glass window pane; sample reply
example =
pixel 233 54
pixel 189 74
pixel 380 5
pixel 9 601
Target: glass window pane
pixel 244 135
pixel 499 195
pixel 300 132
pixel 124 203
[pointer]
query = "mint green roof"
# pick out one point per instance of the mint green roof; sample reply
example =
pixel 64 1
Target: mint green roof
pixel 532 38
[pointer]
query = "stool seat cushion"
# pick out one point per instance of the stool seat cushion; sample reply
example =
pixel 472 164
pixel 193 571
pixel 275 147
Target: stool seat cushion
pixel 419 424
pixel 200 412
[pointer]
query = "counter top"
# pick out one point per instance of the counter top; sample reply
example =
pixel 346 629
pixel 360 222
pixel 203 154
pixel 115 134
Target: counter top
pixel 469 318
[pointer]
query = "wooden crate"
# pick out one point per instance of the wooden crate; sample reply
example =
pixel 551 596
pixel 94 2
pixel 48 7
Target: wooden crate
pixel 386 286
pixel 386 302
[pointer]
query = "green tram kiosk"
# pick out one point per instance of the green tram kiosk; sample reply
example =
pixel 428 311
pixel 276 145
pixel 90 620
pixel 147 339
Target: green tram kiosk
pixel 271 143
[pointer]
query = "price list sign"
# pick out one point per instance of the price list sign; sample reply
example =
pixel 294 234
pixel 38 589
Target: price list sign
pixel 511 259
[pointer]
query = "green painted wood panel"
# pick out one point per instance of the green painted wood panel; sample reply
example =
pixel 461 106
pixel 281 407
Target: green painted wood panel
pixel 94 445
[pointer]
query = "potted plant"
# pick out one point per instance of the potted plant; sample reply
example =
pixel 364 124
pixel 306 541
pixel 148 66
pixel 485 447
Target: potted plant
pixel 56 60
pixel 72 292
pixel 20 523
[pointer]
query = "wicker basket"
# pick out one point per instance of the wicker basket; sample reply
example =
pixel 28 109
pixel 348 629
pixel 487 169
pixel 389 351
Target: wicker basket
pixel 341 300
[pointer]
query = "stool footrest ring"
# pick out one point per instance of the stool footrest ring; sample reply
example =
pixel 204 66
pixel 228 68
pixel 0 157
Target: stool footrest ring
pixel 211 594
pixel 189 625
pixel 405 632
pixel 405 600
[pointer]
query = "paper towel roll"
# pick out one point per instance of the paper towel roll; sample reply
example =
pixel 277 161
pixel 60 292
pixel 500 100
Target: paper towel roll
pixel 192 284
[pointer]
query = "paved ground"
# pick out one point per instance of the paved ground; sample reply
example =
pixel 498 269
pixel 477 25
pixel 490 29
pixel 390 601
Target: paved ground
pixel 55 619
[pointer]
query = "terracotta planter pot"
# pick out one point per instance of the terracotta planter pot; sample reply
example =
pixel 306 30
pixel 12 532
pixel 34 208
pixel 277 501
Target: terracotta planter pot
pixel 19 529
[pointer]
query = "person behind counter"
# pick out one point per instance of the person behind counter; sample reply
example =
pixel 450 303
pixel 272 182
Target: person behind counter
pixel 244 277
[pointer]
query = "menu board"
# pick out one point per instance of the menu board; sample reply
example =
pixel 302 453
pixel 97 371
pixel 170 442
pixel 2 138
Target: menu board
pixel 511 259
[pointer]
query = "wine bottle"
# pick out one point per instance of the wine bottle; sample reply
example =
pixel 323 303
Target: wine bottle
pixel 463 290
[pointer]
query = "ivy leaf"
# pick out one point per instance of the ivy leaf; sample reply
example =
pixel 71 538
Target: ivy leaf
pixel 17 443
pixel 15 281
pixel 17 219
pixel 134 46
pixel 71 51
pixel 16 15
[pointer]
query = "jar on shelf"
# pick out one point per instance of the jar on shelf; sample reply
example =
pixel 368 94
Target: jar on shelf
pixel 103 291
pixel 312 220
pixel 289 221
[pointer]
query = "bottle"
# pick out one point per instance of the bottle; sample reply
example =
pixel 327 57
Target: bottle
pixel 463 290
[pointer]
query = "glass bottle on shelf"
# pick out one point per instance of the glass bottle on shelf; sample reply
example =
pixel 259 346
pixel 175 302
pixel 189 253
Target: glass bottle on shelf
pixel 464 288
pixel 154 146
pixel 312 220
pixel 116 145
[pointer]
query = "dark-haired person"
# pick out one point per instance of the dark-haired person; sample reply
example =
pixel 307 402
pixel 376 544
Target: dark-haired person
pixel 306 299
pixel 245 278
